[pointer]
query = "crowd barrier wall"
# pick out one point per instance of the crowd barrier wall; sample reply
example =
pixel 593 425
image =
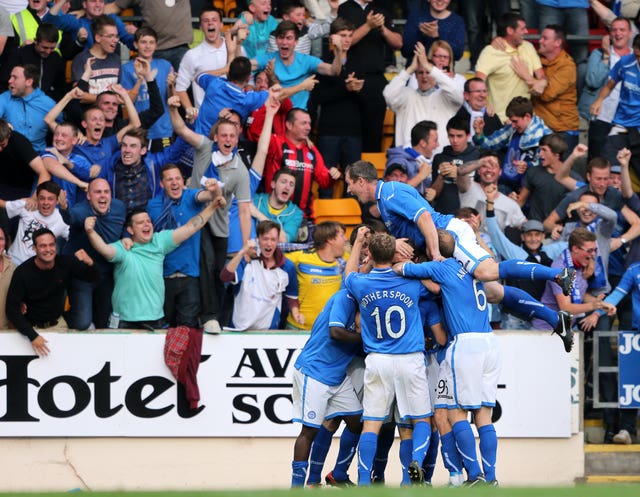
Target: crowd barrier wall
pixel 102 411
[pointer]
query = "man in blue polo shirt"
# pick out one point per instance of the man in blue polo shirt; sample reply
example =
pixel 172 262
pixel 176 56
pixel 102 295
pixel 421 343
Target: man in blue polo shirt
pixel 169 209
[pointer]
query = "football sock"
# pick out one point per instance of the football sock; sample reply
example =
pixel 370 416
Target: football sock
pixel 450 455
pixel 522 270
pixel 385 441
pixel 319 451
pixel 488 450
pixel 466 444
pixel 406 448
pixel 348 444
pixel 421 437
pixel 429 463
pixel 298 473
pixel 366 453
pixel 524 304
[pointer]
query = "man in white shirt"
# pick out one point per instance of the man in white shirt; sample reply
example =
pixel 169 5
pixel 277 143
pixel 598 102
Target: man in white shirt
pixel 46 215
pixel 476 194
pixel 210 55
pixel 438 97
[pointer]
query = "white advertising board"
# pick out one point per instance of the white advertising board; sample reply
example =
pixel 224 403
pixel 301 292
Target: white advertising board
pixel 117 385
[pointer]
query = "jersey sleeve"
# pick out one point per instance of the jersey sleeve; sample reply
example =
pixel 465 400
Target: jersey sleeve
pixel 255 100
pixel 81 168
pixel 404 203
pixel 204 80
pixel 292 288
pixel 617 71
pixel 343 310
pixel 431 312
pixel 424 270
pixel 239 272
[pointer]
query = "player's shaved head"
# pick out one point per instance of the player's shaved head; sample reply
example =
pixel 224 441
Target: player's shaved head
pixel 446 243
pixel 382 247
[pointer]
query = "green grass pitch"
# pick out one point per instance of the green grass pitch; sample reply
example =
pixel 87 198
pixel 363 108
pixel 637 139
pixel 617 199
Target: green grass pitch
pixel 603 490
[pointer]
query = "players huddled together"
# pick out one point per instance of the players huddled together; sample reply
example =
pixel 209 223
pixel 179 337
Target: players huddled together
pixel 419 324
pixel 177 189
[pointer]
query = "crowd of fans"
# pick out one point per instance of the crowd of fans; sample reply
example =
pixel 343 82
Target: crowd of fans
pixel 133 152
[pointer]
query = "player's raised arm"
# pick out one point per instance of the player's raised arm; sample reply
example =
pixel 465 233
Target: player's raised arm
pixel 428 230
pixel 354 258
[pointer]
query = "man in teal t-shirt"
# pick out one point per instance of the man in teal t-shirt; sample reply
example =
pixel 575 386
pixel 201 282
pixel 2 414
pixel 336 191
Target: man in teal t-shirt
pixel 138 294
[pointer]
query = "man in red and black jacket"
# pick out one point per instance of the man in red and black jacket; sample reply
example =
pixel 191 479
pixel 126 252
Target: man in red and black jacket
pixel 294 151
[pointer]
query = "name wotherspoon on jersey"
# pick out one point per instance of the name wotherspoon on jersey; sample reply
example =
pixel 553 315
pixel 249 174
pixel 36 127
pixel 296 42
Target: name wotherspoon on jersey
pixel 386 294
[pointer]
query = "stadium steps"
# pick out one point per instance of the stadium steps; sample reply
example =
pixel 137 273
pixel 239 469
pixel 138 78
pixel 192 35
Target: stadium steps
pixel 594 431
pixel 606 463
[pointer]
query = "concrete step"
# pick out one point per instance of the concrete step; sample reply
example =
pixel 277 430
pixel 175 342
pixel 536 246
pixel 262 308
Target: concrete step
pixel 612 460
pixel 606 479
pixel 594 431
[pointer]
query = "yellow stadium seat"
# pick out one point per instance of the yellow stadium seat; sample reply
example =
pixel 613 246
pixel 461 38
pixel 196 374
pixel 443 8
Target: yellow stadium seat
pixel 67 71
pixel 231 8
pixel 388 130
pixel 344 210
pixel 378 159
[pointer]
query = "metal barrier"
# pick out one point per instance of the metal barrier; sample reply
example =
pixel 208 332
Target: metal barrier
pixel 598 370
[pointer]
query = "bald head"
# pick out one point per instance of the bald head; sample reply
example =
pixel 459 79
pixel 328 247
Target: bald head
pixel 99 196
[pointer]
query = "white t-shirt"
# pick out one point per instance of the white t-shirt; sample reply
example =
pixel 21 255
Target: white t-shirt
pixel 261 291
pixel 22 247
pixel 204 57
pixel 507 210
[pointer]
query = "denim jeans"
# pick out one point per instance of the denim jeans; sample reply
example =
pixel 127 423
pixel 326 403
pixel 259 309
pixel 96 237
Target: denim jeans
pixel 182 301
pixel 159 324
pixel 598 132
pixel 529 11
pixel 90 303
pixel 571 140
pixel 213 256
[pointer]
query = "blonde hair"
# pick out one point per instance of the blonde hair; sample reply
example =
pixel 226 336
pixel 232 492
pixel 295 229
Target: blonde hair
pixel 441 44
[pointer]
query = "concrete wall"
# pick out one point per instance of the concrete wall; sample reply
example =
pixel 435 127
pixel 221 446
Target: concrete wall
pixel 219 463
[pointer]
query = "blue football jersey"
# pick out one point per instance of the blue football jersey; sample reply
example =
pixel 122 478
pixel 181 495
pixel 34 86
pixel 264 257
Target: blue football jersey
pixel 630 283
pixel 430 313
pixel 400 207
pixel 390 318
pixel 464 299
pixel 323 358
